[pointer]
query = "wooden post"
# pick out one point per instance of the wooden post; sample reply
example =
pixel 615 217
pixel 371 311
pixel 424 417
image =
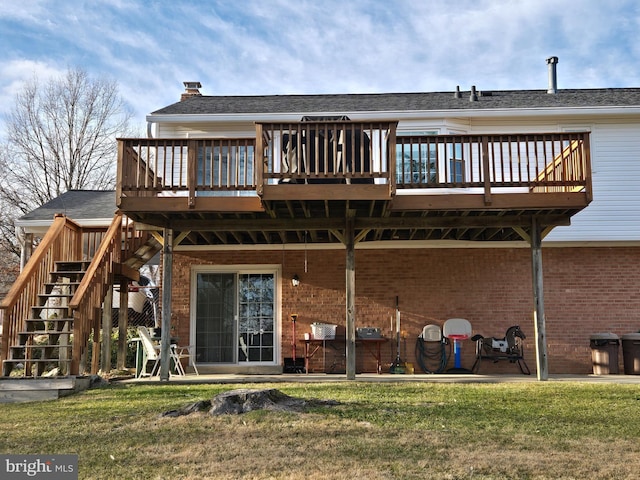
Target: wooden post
pixel 538 301
pixel 192 165
pixel 350 297
pixel 486 170
pixel 120 176
pixel 391 158
pixel 123 320
pixel 258 156
pixel 165 337
pixel 107 325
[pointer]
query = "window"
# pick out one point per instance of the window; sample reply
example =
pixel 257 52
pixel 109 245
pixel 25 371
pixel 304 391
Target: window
pixel 456 164
pixel 416 158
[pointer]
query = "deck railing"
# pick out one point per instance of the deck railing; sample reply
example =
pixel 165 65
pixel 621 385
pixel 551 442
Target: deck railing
pixel 119 241
pixel 326 151
pixel 183 167
pixel 540 162
pixel 351 153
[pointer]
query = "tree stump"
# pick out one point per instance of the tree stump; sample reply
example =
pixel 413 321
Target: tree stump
pixel 246 400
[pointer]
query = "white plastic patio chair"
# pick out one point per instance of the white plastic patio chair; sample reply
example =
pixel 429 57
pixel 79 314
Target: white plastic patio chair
pixel 151 350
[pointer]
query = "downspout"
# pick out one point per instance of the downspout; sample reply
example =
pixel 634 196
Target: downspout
pixel 26 245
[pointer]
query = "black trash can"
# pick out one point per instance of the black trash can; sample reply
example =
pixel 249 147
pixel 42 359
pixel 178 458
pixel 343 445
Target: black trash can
pixel 604 353
pixel 631 353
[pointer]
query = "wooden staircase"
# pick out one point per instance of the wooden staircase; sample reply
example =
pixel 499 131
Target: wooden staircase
pixel 46 341
pixel 52 315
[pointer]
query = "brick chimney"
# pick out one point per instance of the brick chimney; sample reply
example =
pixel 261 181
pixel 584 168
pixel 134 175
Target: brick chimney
pixel 191 89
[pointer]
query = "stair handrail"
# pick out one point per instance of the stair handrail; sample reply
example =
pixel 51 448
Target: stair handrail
pixel 62 242
pixel 86 303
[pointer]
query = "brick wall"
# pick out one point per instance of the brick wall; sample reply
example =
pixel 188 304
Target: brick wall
pixel 587 290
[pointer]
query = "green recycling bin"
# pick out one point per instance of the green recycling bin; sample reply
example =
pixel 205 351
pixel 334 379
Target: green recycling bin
pixel 604 353
pixel 631 353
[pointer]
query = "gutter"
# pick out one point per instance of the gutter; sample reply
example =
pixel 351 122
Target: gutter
pixel 398 115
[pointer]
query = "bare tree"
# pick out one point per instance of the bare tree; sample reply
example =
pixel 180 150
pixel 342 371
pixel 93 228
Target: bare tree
pixel 60 136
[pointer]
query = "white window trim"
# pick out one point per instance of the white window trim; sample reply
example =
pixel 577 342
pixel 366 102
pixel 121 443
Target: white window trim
pixel 275 269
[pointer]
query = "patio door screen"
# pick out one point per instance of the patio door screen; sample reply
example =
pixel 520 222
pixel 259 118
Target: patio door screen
pixel 235 318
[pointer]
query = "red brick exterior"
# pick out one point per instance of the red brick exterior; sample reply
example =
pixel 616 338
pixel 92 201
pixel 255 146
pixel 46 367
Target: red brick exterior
pixel 587 290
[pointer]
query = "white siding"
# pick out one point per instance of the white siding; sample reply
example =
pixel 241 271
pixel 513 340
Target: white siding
pixel 614 213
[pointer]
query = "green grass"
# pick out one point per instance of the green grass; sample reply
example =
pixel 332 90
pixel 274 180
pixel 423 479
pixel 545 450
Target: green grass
pixel 389 431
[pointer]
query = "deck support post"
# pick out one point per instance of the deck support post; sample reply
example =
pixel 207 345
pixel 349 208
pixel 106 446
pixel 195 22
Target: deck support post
pixel 107 325
pixel 123 321
pixel 350 293
pixel 542 370
pixel 167 275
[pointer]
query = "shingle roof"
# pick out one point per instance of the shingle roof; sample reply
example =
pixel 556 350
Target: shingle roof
pixel 381 102
pixel 77 205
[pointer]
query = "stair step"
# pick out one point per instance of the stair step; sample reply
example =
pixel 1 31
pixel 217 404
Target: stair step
pixel 28 389
pixel 68 274
pixel 40 346
pixel 72 265
pixel 16 361
pixel 62 284
pixel 43 332
pixel 56 295
pixel 53 320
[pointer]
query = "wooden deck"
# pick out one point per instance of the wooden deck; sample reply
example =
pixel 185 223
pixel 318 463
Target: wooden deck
pixel 310 176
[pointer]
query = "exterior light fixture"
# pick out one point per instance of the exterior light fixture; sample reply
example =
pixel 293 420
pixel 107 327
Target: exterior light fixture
pixel 295 280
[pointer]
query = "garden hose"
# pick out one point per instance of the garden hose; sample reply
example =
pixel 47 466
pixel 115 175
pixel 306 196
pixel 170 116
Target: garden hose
pixel 432 356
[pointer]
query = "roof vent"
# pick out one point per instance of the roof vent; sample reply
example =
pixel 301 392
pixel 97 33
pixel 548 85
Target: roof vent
pixel 553 75
pixel 458 94
pixel 191 89
pixel 474 95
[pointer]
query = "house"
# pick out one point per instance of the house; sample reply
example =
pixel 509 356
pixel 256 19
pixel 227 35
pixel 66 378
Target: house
pixel 388 212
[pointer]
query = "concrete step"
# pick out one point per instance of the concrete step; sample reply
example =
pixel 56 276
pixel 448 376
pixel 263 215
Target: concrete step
pixel 13 390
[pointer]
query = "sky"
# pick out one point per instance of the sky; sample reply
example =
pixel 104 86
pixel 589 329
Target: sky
pixel 260 47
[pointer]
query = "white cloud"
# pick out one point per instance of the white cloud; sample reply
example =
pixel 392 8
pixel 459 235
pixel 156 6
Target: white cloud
pixel 15 73
pixel 307 46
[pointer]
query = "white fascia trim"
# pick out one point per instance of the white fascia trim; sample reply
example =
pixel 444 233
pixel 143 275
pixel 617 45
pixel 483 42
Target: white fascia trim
pixel 382 245
pixel 40 224
pixel 398 115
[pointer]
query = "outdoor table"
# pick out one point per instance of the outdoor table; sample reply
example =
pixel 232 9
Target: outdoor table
pixel 371 345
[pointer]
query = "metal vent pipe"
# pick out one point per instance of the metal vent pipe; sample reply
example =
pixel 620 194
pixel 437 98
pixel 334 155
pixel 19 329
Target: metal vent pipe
pixel 553 75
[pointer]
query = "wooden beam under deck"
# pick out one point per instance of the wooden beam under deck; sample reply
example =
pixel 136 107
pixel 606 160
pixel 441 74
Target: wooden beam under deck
pixel 326 191
pixel 180 204
pixel 361 223
pixel 503 201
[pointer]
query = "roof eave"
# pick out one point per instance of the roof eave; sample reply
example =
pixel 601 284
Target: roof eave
pixel 398 115
pixel 38 225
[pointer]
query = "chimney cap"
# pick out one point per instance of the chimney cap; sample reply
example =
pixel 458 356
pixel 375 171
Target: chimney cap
pixel 191 89
pixel 552 60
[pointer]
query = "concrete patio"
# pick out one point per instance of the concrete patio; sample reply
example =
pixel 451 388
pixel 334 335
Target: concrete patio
pixel 383 378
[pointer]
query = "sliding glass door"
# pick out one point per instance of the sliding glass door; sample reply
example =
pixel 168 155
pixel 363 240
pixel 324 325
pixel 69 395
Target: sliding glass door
pixel 235 317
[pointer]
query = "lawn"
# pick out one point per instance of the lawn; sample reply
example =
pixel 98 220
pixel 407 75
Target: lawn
pixel 378 431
